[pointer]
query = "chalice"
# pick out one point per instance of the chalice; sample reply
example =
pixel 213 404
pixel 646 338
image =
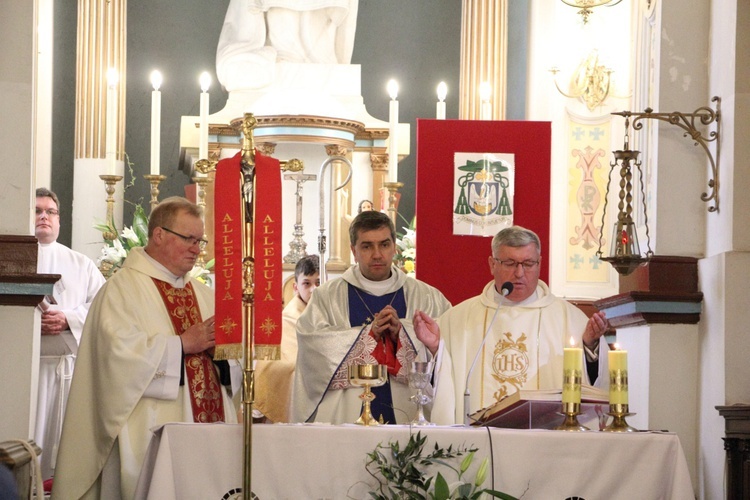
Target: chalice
pixel 420 373
pixel 367 376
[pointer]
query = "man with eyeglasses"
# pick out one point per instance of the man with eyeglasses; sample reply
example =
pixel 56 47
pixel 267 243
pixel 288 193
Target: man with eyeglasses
pixel 62 323
pixel 527 330
pixel 145 360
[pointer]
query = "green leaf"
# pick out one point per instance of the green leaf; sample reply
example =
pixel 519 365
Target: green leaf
pixel 442 492
pixel 140 224
pixel 499 494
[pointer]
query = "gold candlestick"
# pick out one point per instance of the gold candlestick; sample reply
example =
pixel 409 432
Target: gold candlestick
pixel 393 188
pixel 155 180
pixel 202 179
pixel 618 412
pixel 570 423
pixel 109 186
pixel 571 409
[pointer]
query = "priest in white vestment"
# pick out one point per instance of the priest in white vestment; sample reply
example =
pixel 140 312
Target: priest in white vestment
pixel 273 379
pixel 62 323
pixel 144 360
pixel 363 317
pixel 528 330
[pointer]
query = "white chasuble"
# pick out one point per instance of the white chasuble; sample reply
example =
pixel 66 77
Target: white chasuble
pixel 523 350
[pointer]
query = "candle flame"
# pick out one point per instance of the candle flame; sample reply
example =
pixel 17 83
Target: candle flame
pixel 156 79
pixel 572 342
pixel 485 91
pixel 442 91
pixel 392 88
pixel 205 81
pixel 617 346
pixel 112 77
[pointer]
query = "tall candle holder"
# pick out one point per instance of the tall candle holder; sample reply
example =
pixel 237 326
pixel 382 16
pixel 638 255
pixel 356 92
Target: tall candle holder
pixel 155 180
pixel 618 413
pixel 109 187
pixel 393 188
pixel 202 179
pixel 570 423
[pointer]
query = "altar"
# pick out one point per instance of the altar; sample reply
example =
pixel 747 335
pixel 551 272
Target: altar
pixel 325 461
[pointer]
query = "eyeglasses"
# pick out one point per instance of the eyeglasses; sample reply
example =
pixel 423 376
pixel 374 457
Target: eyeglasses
pixel 51 212
pixel 512 264
pixel 190 240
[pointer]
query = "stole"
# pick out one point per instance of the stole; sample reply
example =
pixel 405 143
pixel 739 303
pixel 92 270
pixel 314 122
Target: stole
pixel 202 380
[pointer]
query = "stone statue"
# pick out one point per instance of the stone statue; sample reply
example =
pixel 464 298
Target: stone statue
pixel 257 34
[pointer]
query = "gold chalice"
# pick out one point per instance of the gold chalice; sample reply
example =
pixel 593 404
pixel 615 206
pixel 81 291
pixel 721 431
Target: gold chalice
pixel 367 376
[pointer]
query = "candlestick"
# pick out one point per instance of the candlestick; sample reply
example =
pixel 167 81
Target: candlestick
pixel 393 132
pixel 442 92
pixel 485 92
pixel 618 391
pixel 571 393
pixel 205 82
pixel 110 145
pixel 154 180
pixel 155 122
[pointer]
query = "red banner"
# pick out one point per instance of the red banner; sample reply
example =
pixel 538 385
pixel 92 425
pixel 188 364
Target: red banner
pixel 267 246
pixel 228 249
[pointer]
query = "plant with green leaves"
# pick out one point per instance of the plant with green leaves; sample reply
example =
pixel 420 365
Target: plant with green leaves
pixel 404 473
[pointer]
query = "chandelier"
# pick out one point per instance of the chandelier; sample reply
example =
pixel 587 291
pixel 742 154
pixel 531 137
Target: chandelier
pixel 587 5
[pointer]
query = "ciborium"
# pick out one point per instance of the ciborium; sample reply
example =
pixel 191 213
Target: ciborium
pixel 367 376
pixel 420 374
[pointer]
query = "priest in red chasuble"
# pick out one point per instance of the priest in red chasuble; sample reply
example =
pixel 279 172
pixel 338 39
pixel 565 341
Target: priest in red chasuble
pixel 145 360
pixel 363 317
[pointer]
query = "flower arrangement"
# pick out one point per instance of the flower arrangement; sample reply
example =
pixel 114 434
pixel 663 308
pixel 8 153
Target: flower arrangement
pixel 406 244
pixel 401 473
pixel 115 251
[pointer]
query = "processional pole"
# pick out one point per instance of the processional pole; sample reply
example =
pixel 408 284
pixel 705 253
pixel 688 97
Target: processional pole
pixel 248 297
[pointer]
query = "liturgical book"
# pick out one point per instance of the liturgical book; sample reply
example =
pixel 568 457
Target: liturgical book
pixel 542 410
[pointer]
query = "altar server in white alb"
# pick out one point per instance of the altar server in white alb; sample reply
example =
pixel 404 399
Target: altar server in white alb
pixel 363 317
pixel 528 330
pixel 145 360
pixel 62 323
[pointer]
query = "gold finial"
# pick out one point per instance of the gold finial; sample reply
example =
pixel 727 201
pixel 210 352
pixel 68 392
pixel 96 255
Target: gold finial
pixel 248 146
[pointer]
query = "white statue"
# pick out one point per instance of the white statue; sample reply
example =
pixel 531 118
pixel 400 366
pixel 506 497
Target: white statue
pixel 259 33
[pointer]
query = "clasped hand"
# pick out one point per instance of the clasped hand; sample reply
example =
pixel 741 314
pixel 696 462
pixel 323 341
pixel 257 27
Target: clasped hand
pixel 386 322
pixel 199 337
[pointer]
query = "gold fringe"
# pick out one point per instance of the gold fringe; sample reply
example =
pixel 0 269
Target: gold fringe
pixel 228 351
pixel 267 352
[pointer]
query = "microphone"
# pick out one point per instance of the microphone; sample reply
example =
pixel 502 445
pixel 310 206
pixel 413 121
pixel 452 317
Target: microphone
pixel 505 290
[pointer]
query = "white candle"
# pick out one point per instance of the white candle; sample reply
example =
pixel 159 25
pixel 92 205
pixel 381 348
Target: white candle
pixel 485 92
pixel 393 132
pixel 110 144
pixel 155 121
pixel 205 81
pixel 442 92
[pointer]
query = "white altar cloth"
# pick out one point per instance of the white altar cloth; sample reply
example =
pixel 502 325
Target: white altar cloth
pixel 323 461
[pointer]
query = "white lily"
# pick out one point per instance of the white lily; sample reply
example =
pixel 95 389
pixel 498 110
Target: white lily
pixel 130 235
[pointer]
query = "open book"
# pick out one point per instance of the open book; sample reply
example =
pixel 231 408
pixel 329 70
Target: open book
pixel 541 409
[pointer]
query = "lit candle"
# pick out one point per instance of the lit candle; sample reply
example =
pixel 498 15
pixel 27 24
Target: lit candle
pixel 618 376
pixel 205 81
pixel 155 121
pixel 110 144
pixel 485 92
pixel 442 92
pixel 572 373
pixel 393 132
